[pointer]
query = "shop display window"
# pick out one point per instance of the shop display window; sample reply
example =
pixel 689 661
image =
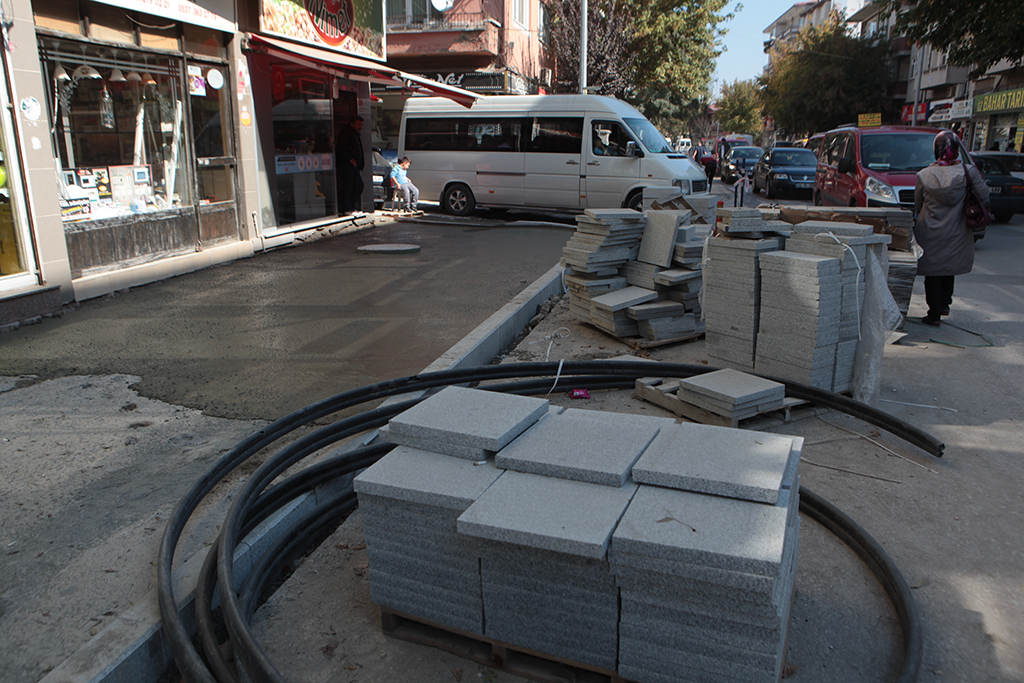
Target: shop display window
pixel 10 248
pixel 119 128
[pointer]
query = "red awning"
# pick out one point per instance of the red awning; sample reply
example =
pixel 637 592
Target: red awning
pixel 355 68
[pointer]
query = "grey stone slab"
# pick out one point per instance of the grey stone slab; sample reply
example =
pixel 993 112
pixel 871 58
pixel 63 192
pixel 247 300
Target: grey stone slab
pixel 777 347
pixel 765 586
pixel 659 239
pixel 668 633
pixel 641 652
pixel 553 645
pixel 406 564
pixel 438 595
pixel 675 276
pixel 546 512
pixel 794 282
pixel 837 227
pixel 624 298
pixel 454 450
pixel 656 309
pixel 610 215
pixel 602 596
pixel 699 644
pixel 434 549
pixel 793 262
pixel 429 576
pixel 760 245
pixel 471 417
pixel 573 447
pixel 420 511
pixel 691 527
pixel 431 478
pixel 431 610
pixel 733 387
pixel 737 463
pixel 642 674
pixel 552 609
pixel 530 561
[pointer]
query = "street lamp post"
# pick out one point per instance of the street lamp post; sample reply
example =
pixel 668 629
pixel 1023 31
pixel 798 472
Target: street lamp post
pixel 583 47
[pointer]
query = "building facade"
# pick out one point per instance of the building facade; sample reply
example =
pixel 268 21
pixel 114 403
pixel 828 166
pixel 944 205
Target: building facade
pixel 149 138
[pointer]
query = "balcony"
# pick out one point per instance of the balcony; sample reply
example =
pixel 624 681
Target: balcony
pixel 450 21
pixel 900 47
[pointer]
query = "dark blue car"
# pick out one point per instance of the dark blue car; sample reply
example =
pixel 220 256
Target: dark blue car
pixel 785 169
pixel 1006 191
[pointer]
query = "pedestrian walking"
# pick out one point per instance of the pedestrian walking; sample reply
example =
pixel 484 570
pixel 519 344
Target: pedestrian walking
pixel 941 228
pixel 410 193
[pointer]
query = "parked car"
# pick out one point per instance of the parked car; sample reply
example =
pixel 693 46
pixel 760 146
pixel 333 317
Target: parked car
pixel 381 182
pixel 873 166
pixel 784 143
pixel 814 142
pixel 1006 191
pixel 1013 161
pixel 738 162
pixel 784 169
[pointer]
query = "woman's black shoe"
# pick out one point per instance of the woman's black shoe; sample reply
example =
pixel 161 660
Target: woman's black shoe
pixel 928 320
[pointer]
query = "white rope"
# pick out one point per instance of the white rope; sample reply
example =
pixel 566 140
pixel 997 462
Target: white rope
pixel 860 272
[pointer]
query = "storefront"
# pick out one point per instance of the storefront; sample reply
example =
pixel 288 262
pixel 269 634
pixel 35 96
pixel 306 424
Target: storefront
pixel 140 108
pixel 17 259
pixel 1003 115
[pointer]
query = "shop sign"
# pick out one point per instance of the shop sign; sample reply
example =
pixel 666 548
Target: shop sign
pixel 869 120
pixel 999 102
pixel 961 109
pixel 179 10
pixel 941 111
pixel 922 112
pixel 352 26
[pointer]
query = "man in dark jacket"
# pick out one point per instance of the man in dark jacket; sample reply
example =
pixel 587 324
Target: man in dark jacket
pixel 351 162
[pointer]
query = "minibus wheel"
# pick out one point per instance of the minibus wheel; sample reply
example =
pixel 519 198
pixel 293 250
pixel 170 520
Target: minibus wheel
pixel 458 200
pixel 634 200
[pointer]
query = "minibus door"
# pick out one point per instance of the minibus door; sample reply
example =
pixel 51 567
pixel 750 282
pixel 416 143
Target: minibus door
pixel 609 171
pixel 554 162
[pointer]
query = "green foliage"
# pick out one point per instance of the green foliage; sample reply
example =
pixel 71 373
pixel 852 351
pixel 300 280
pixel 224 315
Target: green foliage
pixel 739 107
pixel 824 79
pixel 971 33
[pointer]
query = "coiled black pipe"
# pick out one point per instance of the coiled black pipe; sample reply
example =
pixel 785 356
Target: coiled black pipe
pixel 590 374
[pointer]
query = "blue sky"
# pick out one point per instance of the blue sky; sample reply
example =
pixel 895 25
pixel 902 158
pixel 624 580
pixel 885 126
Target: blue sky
pixel 745 58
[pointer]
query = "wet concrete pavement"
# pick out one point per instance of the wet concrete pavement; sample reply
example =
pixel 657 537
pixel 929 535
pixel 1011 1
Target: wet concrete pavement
pixel 262 337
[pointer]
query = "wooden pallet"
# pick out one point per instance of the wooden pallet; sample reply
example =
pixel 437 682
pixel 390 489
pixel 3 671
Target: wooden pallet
pixel 512 659
pixel 658 390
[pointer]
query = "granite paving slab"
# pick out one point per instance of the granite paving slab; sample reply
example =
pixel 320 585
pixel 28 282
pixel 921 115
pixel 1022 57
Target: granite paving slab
pixel 567 516
pixel 733 387
pixel 737 463
pixel 659 238
pixel 435 445
pixel 471 417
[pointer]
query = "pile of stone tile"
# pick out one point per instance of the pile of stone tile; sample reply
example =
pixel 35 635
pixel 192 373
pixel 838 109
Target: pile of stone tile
pixel 732 394
pixel 800 317
pixel 731 297
pixel 850 243
pixel 632 544
pixel 675 289
pixel 605 239
pixel 701 598
pixel 739 221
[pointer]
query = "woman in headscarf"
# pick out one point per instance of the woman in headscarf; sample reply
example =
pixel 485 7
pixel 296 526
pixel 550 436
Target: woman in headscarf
pixel 941 229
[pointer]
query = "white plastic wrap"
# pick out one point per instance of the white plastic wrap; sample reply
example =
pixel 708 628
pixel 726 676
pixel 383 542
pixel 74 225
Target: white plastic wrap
pixel 880 316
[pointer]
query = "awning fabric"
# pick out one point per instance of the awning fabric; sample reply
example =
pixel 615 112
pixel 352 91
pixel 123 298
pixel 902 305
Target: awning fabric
pixel 358 69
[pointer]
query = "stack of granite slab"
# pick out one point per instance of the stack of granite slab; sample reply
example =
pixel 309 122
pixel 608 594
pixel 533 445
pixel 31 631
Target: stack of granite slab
pixel 546 525
pixel 583 288
pixel 799 324
pixel 705 556
pixel 731 393
pixel 689 254
pixel 739 221
pixel 411 499
pixel 703 206
pixel 850 243
pixel 730 298
pixel 605 239
pixel 609 312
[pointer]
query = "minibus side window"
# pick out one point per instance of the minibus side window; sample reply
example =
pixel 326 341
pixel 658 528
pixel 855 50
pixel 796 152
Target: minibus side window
pixel 556 135
pixel 609 138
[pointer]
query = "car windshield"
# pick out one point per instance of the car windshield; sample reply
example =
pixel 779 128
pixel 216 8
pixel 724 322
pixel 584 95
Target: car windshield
pixel 897 152
pixel 653 140
pixel 746 152
pixel 794 157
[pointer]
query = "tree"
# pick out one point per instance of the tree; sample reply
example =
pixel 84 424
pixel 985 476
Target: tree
pixel 663 50
pixel 611 64
pixel 971 33
pixel 825 78
pixel 739 107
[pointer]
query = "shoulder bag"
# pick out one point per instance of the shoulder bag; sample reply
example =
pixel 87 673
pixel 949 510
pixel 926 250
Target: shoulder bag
pixel 975 211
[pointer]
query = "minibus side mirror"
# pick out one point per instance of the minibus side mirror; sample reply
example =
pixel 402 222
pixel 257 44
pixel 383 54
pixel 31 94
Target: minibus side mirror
pixel 632 150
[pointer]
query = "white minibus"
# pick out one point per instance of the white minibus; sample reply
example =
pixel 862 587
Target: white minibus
pixel 554 152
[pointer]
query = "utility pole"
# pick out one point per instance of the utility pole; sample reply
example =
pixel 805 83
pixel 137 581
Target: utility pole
pixel 583 47
pixel 917 89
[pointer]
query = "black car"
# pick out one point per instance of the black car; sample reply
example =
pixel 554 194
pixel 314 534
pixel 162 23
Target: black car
pixel 739 160
pixel 1006 192
pixel 785 169
pixel 381 179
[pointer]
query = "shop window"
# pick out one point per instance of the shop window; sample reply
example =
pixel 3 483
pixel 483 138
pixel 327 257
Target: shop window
pixel 59 15
pixel 10 248
pixel 207 42
pixel 119 130
pixel 110 23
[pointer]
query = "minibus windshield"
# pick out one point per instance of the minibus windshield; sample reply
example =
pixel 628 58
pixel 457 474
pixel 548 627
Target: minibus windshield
pixel 654 141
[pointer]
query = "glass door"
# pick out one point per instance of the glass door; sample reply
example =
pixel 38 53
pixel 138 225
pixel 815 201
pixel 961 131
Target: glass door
pixel 15 258
pixel 213 134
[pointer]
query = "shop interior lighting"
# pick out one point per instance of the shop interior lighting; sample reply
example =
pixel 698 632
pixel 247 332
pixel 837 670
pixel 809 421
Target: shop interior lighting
pixel 116 76
pixel 60 73
pixel 85 71
pixel 147 79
